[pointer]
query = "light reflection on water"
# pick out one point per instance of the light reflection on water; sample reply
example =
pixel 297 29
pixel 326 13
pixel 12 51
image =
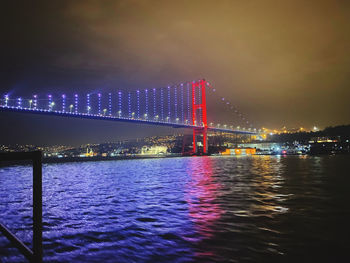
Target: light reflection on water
pixel 201 195
pixel 223 209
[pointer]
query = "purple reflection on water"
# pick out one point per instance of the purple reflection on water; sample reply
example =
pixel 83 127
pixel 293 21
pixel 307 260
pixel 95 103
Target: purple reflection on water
pixel 201 196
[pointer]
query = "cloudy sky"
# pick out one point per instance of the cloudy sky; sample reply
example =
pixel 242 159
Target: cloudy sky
pixel 280 62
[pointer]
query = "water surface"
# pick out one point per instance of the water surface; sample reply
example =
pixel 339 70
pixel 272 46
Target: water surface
pixel 198 209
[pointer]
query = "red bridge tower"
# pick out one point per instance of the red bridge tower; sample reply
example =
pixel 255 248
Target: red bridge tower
pixel 196 108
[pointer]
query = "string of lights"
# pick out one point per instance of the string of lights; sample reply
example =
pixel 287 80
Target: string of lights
pixel 6 100
pixel 162 104
pixel 88 106
pixel 19 102
pixel 35 101
pixel 99 102
pixel 119 103
pixel 63 103
pixel 109 104
pixel 50 102
pixel 76 103
pixel 174 111
pixel 169 109
pixel 175 102
pixel 138 103
pixel 146 98
pixel 232 108
pixel 129 104
pixel 154 104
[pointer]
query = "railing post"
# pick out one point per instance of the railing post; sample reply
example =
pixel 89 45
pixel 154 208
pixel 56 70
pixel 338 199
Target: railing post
pixel 37 209
pixel 35 255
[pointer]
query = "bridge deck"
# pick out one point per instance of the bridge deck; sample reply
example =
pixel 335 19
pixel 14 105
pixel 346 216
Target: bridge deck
pixel 119 119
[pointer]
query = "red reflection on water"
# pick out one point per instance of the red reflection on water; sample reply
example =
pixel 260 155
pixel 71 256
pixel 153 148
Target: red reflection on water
pixel 201 196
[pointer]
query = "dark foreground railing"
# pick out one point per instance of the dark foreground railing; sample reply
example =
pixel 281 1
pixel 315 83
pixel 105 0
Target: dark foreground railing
pixel 37 254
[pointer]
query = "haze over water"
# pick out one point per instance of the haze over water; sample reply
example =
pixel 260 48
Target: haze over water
pixel 206 209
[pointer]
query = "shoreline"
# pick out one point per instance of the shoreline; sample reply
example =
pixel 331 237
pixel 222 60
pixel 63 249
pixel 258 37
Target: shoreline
pixel 49 160
pixel 86 159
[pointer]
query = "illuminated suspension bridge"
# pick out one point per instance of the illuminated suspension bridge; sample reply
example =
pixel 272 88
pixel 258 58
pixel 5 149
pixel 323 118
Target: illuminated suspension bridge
pixel 178 106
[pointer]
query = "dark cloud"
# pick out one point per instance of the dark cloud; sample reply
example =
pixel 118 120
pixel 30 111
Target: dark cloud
pixel 280 62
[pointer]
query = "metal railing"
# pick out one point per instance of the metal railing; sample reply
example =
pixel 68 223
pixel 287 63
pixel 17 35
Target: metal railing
pixel 35 255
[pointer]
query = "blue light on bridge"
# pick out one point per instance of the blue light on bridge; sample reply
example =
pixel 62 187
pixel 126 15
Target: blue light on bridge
pixel 162 104
pixel 109 104
pixel 129 104
pixel 63 103
pixel 6 100
pixel 146 102
pixel 99 103
pixel 88 106
pixel 174 113
pixel 76 101
pixel 138 103
pixel 35 101
pixel 119 103
pixel 169 109
pixel 50 101
pixel 154 104
pixel 19 102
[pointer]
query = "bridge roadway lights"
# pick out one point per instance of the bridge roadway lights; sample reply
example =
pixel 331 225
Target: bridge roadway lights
pixel 198 123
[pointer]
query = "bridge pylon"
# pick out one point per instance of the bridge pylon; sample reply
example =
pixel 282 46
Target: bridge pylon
pixel 199 114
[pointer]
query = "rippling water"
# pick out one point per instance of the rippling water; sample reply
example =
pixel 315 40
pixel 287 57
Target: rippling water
pixel 204 209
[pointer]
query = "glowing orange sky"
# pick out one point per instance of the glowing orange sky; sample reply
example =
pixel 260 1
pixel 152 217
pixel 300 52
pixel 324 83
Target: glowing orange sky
pixel 280 62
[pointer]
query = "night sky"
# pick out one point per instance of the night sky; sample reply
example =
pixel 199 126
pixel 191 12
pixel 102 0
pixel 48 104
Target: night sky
pixel 280 62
